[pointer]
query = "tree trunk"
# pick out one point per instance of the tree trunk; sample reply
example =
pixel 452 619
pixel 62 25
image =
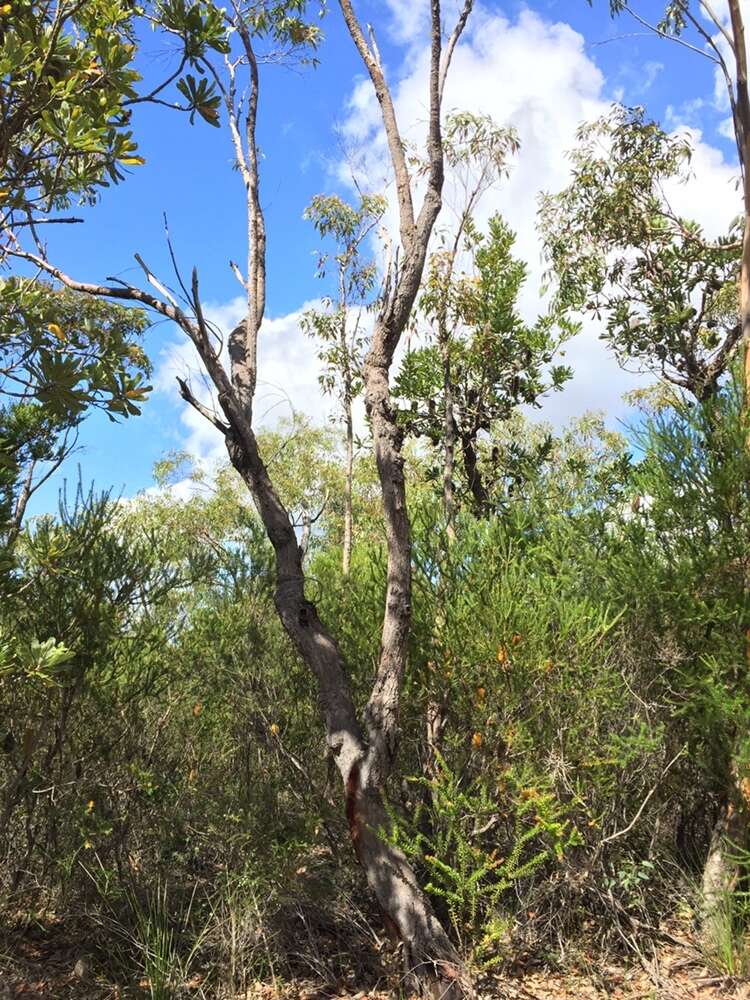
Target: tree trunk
pixel 429 957
pixel 449 444
pixel 473 475
pixel 721 871
pixel 430 960
pixel 348 487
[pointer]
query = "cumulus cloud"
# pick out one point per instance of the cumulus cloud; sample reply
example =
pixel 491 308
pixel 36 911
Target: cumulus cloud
pixel 490 75
pixel 528 72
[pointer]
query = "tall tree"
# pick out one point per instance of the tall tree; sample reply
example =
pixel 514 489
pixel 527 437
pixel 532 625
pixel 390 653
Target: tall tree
pixel 718 35
pixel 363 748
pixel 339 326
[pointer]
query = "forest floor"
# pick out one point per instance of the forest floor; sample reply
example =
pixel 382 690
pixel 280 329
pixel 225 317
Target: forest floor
pixel 48 963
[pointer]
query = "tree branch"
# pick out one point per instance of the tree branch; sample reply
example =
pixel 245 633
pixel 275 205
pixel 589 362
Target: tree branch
pixel 390 124
pixel 204 411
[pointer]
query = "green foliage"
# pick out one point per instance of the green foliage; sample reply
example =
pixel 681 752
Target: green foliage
pixel 493 361
pixel 67 73
pixel 453 824
pixel 339 325
pixel 70 352
pixel 618 251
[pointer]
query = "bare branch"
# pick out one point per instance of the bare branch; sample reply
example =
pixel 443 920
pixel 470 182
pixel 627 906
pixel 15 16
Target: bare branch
pixel 713 17
pixel 204 411
pixel 153 280
pixel 238 275
pixel 392 133
pixel 631 824
pixel 453 41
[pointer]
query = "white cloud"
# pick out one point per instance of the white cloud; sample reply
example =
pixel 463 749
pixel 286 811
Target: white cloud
pixel 492 74
pixel 528 72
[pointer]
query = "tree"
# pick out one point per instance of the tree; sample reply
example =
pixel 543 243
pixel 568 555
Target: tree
pixel 61 355
pixel 691 23
pixel 363 749
pixel 477 151
pixel 617 249
pixel 339 326
pixel 67 87
pixel 486 361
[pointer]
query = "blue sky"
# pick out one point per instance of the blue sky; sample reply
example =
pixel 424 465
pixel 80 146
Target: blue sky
pixel 543 65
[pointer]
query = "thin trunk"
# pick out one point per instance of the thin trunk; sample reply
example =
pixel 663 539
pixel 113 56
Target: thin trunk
pixel 473 475
pixel 346 558
pixel 14 528
pixel 449 445
pixel 348 487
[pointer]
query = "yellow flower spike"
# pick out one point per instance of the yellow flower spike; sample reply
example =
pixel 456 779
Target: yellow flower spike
pixel 90 806
pixel 6 9
pixel 197 709
pixel 481 694
pixel 56 331
pixel 274 729
pixel 476 740
pixel 502 655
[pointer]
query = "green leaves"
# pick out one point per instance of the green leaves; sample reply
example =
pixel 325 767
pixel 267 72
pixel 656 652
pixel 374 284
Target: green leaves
pixel 70 352
pixel 202 97
pixel 618 252
pixel 36 661
pixel 494 361
pixel 67 72
pixel 339 327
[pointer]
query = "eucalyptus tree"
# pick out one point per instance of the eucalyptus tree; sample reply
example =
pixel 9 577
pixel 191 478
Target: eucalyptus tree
pixel 340 325
pixel 718 35
pixel 364 745
pixel 618 251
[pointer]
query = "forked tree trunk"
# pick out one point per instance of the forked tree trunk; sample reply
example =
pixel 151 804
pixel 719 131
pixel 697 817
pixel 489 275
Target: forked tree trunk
pixel 364 754
pixel 429 957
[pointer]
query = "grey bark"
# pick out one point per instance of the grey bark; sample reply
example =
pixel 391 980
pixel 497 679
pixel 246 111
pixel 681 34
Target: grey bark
pixel 364 753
